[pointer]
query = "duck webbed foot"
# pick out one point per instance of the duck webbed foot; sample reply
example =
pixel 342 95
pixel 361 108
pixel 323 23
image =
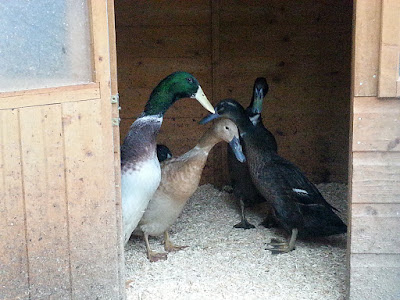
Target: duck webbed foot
pixel 156 256
pixel 151 255
pixel 243 223
pixel 169 246
pixel 279 247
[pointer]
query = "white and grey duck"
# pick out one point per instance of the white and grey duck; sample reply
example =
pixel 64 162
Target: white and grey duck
pixel 297 204
pixel 243 188
pixel 140 168
pixel 180 177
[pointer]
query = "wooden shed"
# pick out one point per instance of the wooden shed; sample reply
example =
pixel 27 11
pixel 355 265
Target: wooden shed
pixel 334 75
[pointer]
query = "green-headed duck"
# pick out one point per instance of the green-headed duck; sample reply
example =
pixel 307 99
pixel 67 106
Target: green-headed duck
pixel 140 169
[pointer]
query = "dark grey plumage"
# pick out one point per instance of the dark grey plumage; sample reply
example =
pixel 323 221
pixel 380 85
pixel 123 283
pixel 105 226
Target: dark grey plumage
pixel 243 188
pixel 163 152
pixel 298 205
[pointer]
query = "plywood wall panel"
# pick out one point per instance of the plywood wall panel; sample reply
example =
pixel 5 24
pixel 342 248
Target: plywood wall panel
pixel 376 177
pixel 375 228
pixel 374 276
pixel 45 202
pixel 91 206
pixel 284 42
pixel 168 41
pixel 265 13
pixel 148 72
pixel 161 13
pixel 308 74
pixel 303 49
pixel 376 125
pixel 14 282
pixel 376 132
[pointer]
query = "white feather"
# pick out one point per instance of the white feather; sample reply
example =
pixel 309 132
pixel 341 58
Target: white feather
pixel 300 191
pixel 137 188
pixel 254 119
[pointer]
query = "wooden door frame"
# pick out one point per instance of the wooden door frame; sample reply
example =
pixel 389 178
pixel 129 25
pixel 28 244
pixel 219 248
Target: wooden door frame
pixel 116 138
pixel 374 168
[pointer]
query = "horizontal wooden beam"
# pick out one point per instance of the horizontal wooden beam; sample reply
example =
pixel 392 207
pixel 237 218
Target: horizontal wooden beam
pixel 47 96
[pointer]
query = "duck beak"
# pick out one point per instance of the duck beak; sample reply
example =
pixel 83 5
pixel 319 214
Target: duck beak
pixel 201 97
pixel 209 118
pixel 237 149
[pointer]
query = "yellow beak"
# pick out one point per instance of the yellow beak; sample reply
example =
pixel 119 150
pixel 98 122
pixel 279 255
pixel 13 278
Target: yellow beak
pixel 201 97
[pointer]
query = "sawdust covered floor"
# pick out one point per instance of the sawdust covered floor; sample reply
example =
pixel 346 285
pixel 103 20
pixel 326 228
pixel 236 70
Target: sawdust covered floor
pixel 223 262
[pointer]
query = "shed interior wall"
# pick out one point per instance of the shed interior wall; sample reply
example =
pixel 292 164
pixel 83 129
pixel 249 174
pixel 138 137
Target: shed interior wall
pixel 303 48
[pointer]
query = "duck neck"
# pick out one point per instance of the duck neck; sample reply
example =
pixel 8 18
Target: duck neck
pixel 208 141
pixel 245 126
pixel 140 142
pixel 256 119
pixel 159 102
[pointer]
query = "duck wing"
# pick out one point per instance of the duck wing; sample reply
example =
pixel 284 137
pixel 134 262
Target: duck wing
pixel 318 215
pixel 303 191
pixel 297 202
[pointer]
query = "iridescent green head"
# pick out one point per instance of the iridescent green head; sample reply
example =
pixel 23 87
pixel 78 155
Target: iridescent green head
pixel 176 86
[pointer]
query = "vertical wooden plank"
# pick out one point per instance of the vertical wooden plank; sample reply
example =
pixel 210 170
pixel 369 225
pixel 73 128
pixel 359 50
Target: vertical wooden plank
pixel 366 51
pixel 389 65
pixel 398 86
pixel 14 281
pixel 116 139
pixel 215 55
pixel 218 154
pixel 45 204
pixel 103 34
pixel 93 234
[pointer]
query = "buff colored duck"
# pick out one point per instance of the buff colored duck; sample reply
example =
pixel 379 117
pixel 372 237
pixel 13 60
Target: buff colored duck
pixel 180 177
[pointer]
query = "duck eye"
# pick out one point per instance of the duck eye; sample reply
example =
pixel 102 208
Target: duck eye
pixel 226 127
pixel 190 80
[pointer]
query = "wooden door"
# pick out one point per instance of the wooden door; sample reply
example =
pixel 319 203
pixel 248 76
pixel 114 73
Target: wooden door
pixel 59 163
